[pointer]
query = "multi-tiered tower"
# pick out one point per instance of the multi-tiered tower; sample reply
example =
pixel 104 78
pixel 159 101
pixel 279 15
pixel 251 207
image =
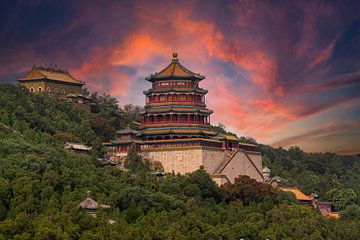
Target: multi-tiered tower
pixel 175 105
pixel 176 131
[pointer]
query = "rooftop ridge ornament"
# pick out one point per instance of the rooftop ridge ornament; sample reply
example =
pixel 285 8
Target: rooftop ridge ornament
pixel 175 57
pixel 174 71
pixel 50 68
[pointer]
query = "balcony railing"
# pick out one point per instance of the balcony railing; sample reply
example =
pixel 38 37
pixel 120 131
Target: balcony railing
pixel 175 122
pixel 174 100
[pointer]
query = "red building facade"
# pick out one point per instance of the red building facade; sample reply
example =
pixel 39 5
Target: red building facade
pixel 175 105
pixel 175 116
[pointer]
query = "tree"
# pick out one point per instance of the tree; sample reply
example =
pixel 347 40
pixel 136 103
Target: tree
pixel 5 197
pixel 247 190
pixel 107 107
pixel 5 118
pixel 65 136
pixel 102 127
pixel 130 116
pixel 133 212
pixel 201 180
pixel 352 212
pixel 341 197
pixel 133 160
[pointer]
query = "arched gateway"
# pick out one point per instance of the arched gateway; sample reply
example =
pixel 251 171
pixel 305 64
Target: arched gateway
pixel 176 130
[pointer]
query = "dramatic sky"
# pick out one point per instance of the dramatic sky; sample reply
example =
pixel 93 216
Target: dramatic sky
pixel 283 72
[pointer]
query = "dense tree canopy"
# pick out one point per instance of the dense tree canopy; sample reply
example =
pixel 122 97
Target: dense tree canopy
pixel 334 178
pixel 41 185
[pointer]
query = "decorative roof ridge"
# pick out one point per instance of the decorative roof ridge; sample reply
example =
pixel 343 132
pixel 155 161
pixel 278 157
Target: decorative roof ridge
pixel 90 203
pixel 51 68
pixel 175 62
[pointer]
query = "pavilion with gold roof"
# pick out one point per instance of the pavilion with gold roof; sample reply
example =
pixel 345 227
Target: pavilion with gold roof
pixel 55 81
pixel 52 80
pixel 176 130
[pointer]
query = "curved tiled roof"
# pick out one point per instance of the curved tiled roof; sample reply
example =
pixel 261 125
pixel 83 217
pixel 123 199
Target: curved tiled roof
pixel 298 193
pixel 228 137
pixel 91 204
pixel 39 73
pixel 175 70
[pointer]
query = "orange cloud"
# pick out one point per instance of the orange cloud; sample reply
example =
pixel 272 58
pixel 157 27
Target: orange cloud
pixel 325 54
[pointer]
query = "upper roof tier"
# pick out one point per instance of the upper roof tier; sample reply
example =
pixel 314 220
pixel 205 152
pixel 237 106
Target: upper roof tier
pixel 50 73
pixel 175 71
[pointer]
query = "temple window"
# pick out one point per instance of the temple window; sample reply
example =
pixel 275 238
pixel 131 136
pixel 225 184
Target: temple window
pixel 39 89
pixel 162 98
pixel 48 89
pixel 151 118
pixel 56 90
pixel 63 91
pixel 31 89
pixel 182 97
pixel 183 118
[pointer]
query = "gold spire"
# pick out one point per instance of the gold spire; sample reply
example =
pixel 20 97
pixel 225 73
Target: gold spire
pixel 174 56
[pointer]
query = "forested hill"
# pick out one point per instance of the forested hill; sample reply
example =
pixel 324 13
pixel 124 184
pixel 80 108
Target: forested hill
pixel 333 177
pixel 41 184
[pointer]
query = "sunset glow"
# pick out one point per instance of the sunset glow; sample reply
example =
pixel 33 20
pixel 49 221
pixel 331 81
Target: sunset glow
pixel 282 72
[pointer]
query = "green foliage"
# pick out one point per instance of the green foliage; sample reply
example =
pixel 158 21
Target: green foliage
pixel 134 161
pixel 341 197
pixel 329 175
pixel 201 184
pixel 352 212
pixel 247 190
pixel 106 107
pixel 41 185
pixel 131 115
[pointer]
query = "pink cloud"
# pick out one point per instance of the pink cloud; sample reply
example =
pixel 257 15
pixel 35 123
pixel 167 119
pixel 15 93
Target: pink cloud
pixel 341 81
pixel 325 54
pixel 258 57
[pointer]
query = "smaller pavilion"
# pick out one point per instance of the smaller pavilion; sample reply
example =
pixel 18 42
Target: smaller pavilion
pixel 90 205
pixel 52 80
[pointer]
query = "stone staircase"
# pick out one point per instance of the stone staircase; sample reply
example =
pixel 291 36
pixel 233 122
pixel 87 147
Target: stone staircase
pixel 222 164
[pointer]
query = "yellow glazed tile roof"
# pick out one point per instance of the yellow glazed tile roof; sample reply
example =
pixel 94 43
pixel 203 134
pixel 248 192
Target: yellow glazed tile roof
pixel 175 69
pixel 298 193
pixel 37 74
pixel 231 137
pixel 335 215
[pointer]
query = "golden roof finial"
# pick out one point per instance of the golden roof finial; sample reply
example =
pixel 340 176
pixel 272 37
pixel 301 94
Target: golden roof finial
pixel 175 56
